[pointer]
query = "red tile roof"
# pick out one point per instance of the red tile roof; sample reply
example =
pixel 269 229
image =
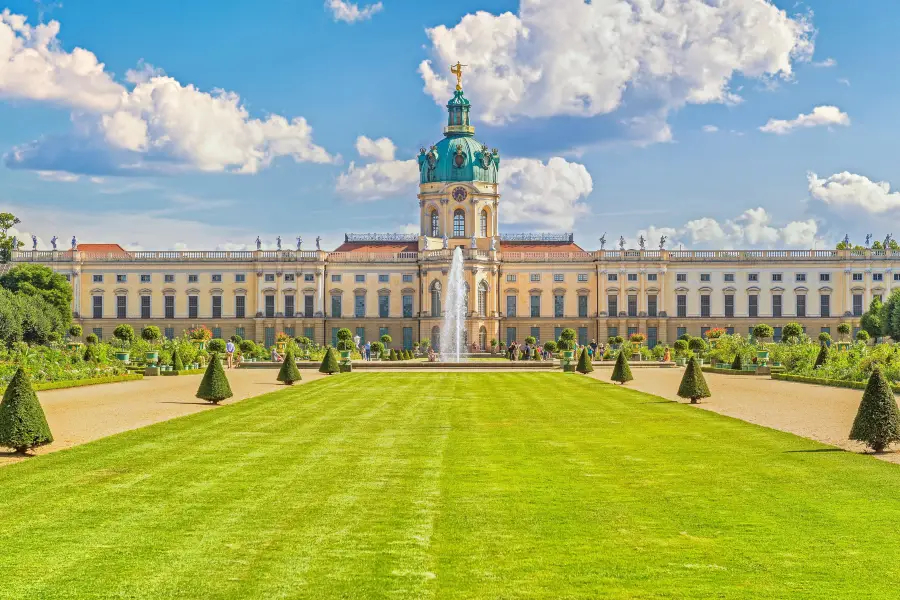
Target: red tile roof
pixel 541 247
pixel 102 248
pixel 378 247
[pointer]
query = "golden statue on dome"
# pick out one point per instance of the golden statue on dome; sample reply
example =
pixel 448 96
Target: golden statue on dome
pixel 457 70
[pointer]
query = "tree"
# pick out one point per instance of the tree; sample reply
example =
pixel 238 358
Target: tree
pixel 697 344
pixel 76 330
pixel 7 222
pixel 151 333
pixel 566 339
pixel 822 357
pixel 877 422
pixel 621 372
pixel 844 330
pixel 737 364
pixel 329 364
pixel 762 331
pixel 393 355
pixel 124 333
pixel 386 340
pixel 39 280
pixel 289 372
pixel 872 320
pixel 791 332
pixel 216 345
pixel 862 336
pixel 584 362
pixel 824 338
pixel 693 385
pixel 680 346
pixel 550 346
pixel 214 386
pixel 23 425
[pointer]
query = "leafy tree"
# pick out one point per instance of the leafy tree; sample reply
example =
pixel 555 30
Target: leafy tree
pixel 693 385
pixel 877 423
pixel 216 345
pixel 584 362
pixel 387 340
pixel 550 346
pixel 289 372
pixel 214 386
pixel 862 335
pixel 329 364
pixel 697 344
pixel 247 346
pixel 737 364
pixel 124 333
pixel 621 371
pixel 791 332
pixel 680 346
pixel 872 319
pixel 40 280
pixel 76 330
pixel 23 425
pixel 530 340
pixel 393 354
pixel 824 338
pixel 822 357
pixel 7 222
pixel 151 333
pixel 566 339
pixel 763 331
pixel 91 338
pixel 685 336
pixel 843 329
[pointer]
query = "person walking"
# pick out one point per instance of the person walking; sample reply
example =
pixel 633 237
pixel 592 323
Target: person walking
pixel 229 353
pixel 368 350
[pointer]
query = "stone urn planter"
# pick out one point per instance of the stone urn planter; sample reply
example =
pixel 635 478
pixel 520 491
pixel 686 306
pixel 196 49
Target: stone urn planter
pixel 680 362
pixel 123 355
pixel 151 357
pixel 280 346
pixel 762 357
pixel 199 344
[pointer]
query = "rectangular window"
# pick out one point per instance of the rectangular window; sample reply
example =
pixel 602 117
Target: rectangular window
pixel 382 278
pixel 98 279
pixel 632 305
pixel 407 306
pixel 877 276
pixel 729 305
pixel 309 332
pixel 407 338
pixel 335 278
pixel 652 337
pixel 582 277
pixel 704 305
pixel 360 278
pixel 800 277
pixel 334 331
pixel 776 335
pixel 193 307
pixel 121 307
pixel 145 307
pixel 824 305
pixel 583 306
pixel 193 278
pixel 359 305
pixel 289 277
pixel 535 306
pixel 269 333
pixel 121 278
pixel 169 333
pixel 536 333
pixel 558 277
pixel 240 307
pixel 217 307
pixel 288 330
pixel 753 306
pixel 753 277
pixel 680 331
pixel 651 276
pixel 145 278
pixel 511 306
pixel 857 305
pixel 557 331
pixel 169 306
pixel 169 278
pixel 510 335
pixel 776 277
pixel 383 331
pixel 336 306
pixel 632 277
pixel 361 334
pixel 680 277
pixel 98 331
pixel 612 305
pixel 217 278
pixel 651 305
pixel 681 305
pixel 240 278
pixel 308 305
pixel 407 278
pixel 269 277
pixel 729 277
pixel 704 277
pixel 823 277
pixel 582 336
pixel 857 276
pixel 384 306
pixel 559 302
pixel 511 277
pixel 631 331
pixel 309 277
pixel 776 306
pixel 703 332
pixel 535 277
pixel 269 305
pixel 896 276
pixel 217 332
pixel 801 305
pixel 611 332
pixel 729 330
pixel 289 305
pixel 239 331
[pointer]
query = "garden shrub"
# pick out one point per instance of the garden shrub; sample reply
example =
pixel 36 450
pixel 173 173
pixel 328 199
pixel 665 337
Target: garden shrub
pixel 329 364
pixel 76 330
pixel 151 333
pixel 216 345
pixel 214 385
pixel 824 338
pixel 877 423
pixel 693 385
pixel 697 344
pixel 791 332
pixel 621 371
pixel 680 346
pixel 550 346
pixel 91 338
pixel 177 365
pixel 584 362
pixel 736 363
pixel 23 425
pixel 763 331
pixel 124 333
pixel 247 346
pixel 393 355
pixel 530 340
pixel 843 329
pixel 822 358
pixel 289 372
pixel 862 335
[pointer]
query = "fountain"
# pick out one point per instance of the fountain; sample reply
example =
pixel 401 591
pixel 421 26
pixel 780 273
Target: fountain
pixel 452 338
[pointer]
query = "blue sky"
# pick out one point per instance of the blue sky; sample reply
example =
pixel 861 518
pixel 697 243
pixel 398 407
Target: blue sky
pixel 161 173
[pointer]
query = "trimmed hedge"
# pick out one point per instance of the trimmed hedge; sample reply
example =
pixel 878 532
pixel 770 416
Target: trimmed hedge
pixel 726 371
pixel 853 385
pixel 61 385
pixel 183 372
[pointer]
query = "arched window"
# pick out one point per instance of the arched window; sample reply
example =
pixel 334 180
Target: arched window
pixel 482 298
pixel 436 299
pixel 484 219
pixel 435 229
pixel 482 338
pixel 459 223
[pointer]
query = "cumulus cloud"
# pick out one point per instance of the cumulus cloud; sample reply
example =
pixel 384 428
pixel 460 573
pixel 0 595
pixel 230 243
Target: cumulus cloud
pixel 577 58
pixel 752 229
pixel 710 128
pixel 849 193
pixel 549 194
pixel 820 116
pixel 350 12
pixel 160 125
pixel 380 149
pixel 828 62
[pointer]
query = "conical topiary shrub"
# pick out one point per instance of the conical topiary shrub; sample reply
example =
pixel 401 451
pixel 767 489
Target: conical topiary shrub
pixel 329 364
pixel 177 365
pixel 214 386
pixel 621 372
pixel 877 422
pixel 736 364
pixel 23 425
pixel 822 357
pixel 289 372
pixel 584 363
pixel 393 355
pixel 693 385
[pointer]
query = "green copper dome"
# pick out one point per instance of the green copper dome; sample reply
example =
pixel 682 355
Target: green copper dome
pixel 459 156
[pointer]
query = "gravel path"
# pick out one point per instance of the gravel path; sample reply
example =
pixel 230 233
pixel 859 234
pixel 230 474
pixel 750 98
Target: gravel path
pixel 817 412
pixel 79 415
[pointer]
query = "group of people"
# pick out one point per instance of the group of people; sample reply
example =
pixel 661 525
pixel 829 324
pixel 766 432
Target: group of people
pixel 515 351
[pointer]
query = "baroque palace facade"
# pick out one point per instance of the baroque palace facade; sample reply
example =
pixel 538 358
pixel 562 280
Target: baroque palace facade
pixel 518 285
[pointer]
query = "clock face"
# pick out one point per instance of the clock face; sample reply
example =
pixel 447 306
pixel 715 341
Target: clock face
pixel 459 194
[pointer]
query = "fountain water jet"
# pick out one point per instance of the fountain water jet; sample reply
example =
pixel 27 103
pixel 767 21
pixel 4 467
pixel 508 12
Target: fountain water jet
pixel 452 339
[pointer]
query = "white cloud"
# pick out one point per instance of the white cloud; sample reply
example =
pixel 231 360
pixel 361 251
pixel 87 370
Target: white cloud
pixel 844 81
pixel 160 125
pixel 378 180
pixel 751 229
pixel 828 62
pixel 59 176
pixel 849 193
pixel 820 116
pixel 350 12
pixel 547 194
pixel 571 57
pixel 380 149
pixel 710 128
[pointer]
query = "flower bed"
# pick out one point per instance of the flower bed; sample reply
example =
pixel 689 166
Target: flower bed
pixel 841 383
pixel 728 371
pixel 73 383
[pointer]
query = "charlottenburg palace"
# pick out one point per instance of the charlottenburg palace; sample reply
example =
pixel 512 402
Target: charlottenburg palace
pixel 518 285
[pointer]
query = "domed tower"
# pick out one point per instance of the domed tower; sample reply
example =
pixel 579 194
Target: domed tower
pixel 458 194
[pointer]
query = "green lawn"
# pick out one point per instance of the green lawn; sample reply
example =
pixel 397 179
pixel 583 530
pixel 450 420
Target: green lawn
pixel 450 485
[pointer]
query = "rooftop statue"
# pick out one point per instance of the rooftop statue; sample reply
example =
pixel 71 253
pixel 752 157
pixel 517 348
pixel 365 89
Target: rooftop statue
pixel 278 242
pixel 642 242
pixel 662 242
pixel 299 242
pixel 603 241
pixel 621 242
pixel 53 241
